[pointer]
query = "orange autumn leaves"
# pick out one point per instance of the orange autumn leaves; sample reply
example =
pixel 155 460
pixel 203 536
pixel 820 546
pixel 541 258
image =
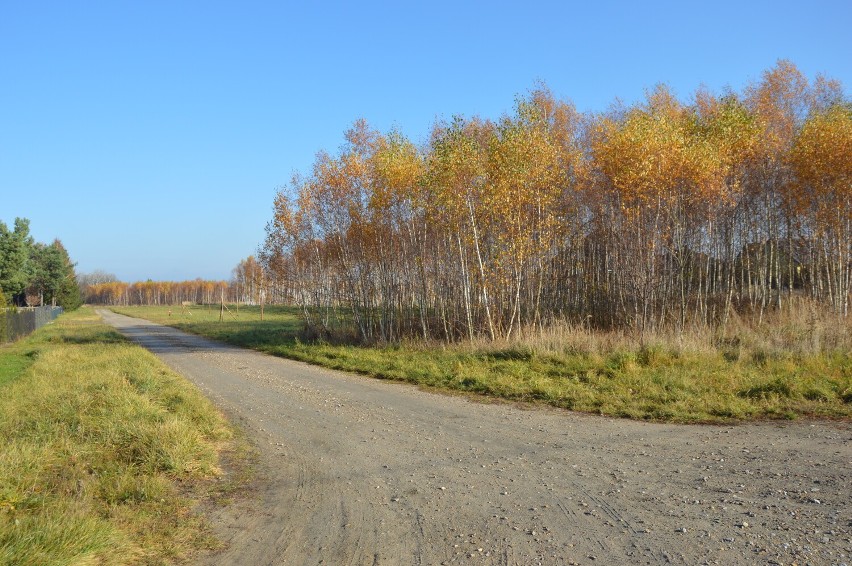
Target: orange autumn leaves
pixel 657 152
pixel 822 160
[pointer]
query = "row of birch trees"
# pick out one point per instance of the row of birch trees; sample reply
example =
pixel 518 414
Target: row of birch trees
pixel 662 214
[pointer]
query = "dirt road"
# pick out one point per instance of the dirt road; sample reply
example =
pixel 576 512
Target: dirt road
pixel 359 471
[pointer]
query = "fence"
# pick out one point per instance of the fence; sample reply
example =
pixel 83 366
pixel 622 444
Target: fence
pixel 17 323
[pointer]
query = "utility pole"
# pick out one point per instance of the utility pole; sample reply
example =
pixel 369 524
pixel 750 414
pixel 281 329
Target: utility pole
pixel 222 306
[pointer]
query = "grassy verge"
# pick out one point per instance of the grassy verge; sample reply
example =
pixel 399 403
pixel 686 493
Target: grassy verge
pixel 663 380
pixel 103 451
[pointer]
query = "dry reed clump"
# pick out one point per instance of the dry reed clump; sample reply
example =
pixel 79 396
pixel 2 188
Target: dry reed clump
pixel 801 328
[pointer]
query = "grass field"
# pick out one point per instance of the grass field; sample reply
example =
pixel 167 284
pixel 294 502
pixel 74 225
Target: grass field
pixel 747 378
pixel 104 452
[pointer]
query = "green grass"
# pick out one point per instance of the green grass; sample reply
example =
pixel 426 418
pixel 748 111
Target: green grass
pixel 666 382
pixel 103 451
pixel 13 362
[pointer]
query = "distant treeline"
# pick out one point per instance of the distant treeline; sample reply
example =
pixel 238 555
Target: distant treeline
pixel 657 215
pixel 149 293
pixel 33 273
pixel 104 288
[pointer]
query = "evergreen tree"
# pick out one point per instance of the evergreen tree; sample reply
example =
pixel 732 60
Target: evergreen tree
pixel 15 246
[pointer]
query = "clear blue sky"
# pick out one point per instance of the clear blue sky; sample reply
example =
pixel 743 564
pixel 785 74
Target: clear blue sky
pixel 151 136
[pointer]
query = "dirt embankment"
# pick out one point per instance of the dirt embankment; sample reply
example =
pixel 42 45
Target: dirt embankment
pixel 358 471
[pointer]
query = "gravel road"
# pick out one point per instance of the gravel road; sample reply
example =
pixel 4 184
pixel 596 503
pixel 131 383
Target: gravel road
pixel 359 471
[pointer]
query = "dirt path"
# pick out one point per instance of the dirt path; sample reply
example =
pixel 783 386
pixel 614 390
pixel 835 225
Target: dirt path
pixel 359 471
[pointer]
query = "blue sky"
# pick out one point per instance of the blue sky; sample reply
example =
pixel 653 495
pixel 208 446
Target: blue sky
pixel 150 137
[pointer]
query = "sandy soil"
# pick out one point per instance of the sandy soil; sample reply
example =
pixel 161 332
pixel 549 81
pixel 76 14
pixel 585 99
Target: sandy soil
pixel 359 471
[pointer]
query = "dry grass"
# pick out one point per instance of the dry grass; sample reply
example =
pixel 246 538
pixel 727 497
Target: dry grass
pixel 101 448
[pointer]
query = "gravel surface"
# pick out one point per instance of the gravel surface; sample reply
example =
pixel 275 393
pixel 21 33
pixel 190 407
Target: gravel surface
pixel 359 471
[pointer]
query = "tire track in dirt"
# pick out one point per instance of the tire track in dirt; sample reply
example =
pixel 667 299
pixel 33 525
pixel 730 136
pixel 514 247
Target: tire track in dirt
pixel 359 471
